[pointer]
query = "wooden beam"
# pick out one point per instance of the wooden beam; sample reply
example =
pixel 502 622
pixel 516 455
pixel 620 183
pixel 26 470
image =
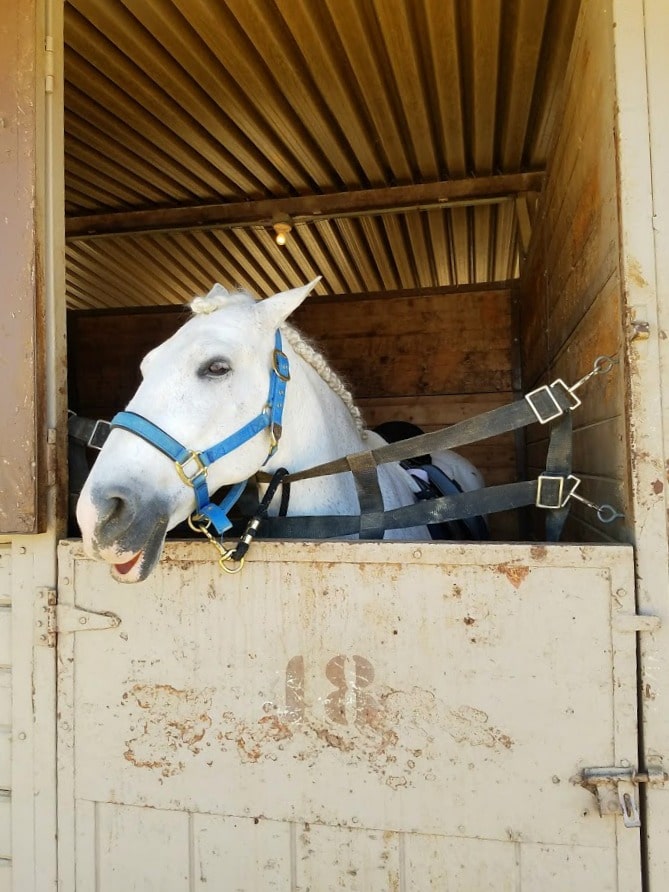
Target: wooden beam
pixel 363 202
pixel 454 291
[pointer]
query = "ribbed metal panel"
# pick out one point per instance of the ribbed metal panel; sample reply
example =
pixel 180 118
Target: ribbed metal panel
pixel 171 103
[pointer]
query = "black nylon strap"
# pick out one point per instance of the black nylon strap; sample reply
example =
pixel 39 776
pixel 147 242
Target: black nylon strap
pixel 558 464
pixel 480 427
pixel 466 504
pixel 363 467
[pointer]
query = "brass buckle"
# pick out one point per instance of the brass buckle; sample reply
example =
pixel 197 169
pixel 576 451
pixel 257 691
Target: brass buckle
pixel 201 525
pixel 200 468
pixel 275 365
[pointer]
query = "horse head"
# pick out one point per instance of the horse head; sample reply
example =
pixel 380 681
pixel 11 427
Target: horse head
pixel 200 420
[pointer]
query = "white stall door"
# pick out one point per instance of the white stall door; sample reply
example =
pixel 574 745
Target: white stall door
pixel 358 716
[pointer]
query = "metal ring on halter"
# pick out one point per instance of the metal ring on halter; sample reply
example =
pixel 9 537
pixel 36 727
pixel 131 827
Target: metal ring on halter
pixel 227 558
pixel 200 524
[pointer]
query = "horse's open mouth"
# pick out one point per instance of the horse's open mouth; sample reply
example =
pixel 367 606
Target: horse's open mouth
pixel 123 569
pixel 142 562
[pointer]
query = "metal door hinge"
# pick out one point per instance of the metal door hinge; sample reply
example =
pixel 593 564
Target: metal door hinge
pixel 616 788
pixel 51 458
pixel 59 619
pixel 49 70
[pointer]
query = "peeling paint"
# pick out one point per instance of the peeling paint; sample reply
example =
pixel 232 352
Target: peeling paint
pixel 172 722
pixel 396 740
pixel 470 725
pixel 515 573
pixel 634 274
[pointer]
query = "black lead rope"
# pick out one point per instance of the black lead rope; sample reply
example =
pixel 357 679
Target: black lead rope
pixel 260 513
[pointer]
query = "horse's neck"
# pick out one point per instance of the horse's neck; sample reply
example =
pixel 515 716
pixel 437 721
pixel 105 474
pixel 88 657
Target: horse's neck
pixel 317 427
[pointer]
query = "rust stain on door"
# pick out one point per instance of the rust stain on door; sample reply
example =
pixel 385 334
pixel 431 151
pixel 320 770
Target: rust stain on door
pixel 169 722
pixel 515 573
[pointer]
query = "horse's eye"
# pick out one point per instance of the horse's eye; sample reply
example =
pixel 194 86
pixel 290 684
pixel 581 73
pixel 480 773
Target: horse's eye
pixel 216 369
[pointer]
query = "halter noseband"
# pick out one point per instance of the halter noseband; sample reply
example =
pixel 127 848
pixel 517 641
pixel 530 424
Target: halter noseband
pixel 192 466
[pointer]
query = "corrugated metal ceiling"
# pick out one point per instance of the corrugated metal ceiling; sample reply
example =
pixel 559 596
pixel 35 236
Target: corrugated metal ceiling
pixel 171 104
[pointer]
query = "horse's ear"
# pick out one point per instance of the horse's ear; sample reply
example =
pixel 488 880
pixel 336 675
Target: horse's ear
pixel 218 291
pixel 276 309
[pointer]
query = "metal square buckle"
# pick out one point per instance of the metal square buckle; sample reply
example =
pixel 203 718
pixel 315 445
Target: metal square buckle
pixel 99 434
pixel 281 365
pixel 550 416
pixel 568 392
pixel 543 501
pixel 200 468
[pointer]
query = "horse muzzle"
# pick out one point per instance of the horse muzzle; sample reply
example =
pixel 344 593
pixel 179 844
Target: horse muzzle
pixel 124 529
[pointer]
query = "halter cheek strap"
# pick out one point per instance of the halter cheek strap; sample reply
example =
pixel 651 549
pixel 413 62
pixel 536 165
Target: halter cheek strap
pixel 192 466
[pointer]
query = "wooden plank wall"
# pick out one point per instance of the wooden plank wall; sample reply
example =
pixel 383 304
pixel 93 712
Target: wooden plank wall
pixel 432 358
pixel 570 294
pixel 428 357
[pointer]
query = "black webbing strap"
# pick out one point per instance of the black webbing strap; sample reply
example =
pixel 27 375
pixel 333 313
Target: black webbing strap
pixel 364 470
pixel 558 465
pixel 466 504
pixel 547 403
pixel 544 404
pixel 478 502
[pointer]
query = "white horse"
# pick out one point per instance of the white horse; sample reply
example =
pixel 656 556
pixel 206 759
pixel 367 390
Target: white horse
pixel 203 385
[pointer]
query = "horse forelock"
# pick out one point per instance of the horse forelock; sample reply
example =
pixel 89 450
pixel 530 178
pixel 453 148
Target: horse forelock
pixel 218 300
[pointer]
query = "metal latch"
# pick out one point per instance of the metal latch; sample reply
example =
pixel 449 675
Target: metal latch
pixel 59 619
pixel 616 789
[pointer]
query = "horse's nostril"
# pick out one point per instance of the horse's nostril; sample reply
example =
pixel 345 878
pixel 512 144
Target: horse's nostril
pixel 115 510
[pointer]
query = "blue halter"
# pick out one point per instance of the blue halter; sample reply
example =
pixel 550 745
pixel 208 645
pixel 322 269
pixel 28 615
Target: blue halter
pixel 192 466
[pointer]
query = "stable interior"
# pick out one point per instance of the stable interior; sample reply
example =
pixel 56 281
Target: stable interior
pixel 451 175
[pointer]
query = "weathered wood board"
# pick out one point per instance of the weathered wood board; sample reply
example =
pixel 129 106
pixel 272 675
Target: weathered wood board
pixel 571 287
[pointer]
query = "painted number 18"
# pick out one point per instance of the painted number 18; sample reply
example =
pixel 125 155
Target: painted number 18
pixel 348 703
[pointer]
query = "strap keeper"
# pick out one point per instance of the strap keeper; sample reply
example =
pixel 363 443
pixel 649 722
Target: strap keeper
pixel 568 392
